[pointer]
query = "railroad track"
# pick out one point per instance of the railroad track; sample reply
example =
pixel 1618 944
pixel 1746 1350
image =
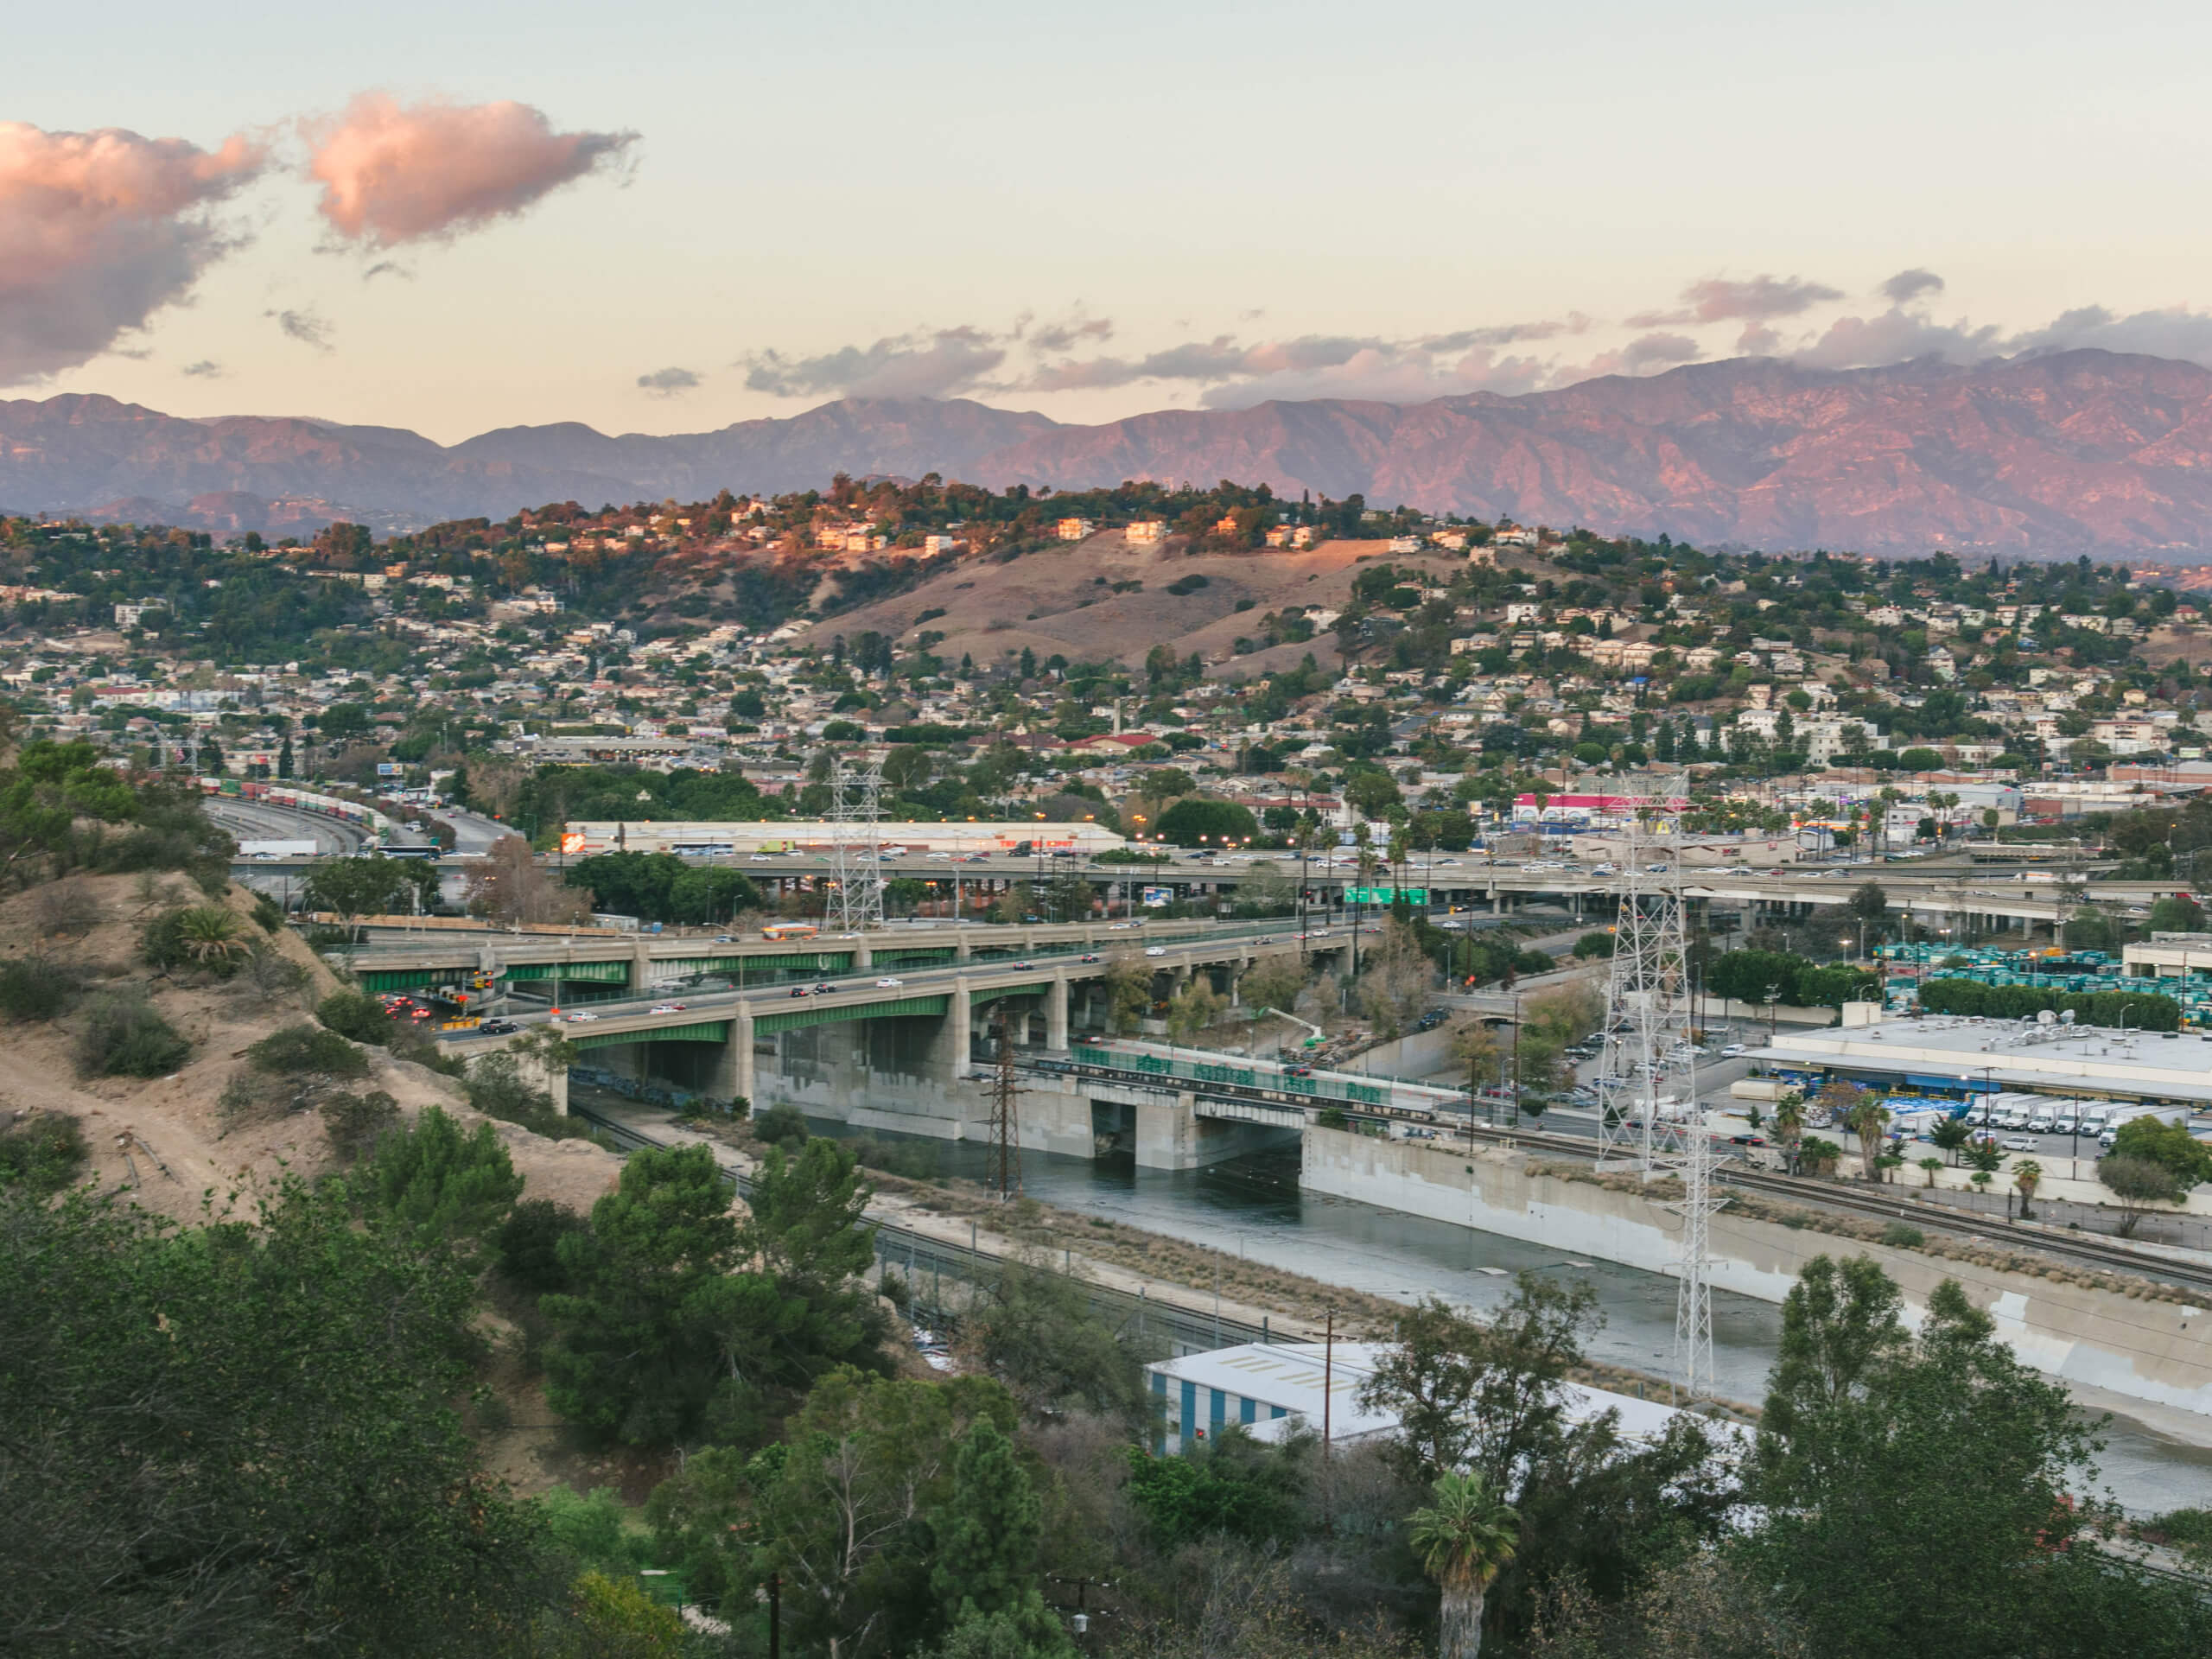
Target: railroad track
pixel 2086 1249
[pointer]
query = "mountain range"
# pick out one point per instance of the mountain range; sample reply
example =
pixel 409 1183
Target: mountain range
pixel 2076 452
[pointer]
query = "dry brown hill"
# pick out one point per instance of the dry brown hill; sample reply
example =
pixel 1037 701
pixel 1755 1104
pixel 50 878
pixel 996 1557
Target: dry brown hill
pixel 1064 600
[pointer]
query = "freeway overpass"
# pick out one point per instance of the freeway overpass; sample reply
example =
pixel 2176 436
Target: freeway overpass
pixel 892 1048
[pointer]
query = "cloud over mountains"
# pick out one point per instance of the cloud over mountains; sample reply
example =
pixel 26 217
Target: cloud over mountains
pixel 393 173
pixel 99 231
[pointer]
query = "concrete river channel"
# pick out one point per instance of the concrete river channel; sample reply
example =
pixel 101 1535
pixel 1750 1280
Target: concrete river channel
pixel 1253 1204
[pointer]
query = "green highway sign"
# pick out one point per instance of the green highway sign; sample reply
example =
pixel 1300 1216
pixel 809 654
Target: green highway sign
pixel 1385 895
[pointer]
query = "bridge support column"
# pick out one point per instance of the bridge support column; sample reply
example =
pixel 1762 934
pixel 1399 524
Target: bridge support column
pixel 948 1054
pixel 863 956
pixel 733 1074
pixel 1056 1014
pixel 641 964
pixel 1167 1134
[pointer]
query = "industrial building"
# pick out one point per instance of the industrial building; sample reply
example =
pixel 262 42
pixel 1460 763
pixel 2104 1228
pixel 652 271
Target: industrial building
pixel 1958 1054
pixel 1274 1388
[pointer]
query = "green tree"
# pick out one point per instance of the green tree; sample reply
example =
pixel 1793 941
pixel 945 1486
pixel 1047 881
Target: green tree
pixel 1487 1394
pixel 2176 913
pixel 2140 1186
pixel 1464 1536
pixel 373 886
pixel 635 1353
pixel 989 1533
pixel 1878 1449
pixel 1037 1331
pixel 2169 1144
pixel 440 1186
pixel 238 1438
pixel 1195 821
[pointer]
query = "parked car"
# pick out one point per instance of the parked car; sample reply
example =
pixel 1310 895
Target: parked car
pixel 2016 1143
pixel 1734 1051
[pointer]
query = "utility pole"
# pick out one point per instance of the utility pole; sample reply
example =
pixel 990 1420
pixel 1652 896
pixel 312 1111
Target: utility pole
pixel 1002 1167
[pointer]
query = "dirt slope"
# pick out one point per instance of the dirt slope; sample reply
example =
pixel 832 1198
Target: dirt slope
pixel 1063 600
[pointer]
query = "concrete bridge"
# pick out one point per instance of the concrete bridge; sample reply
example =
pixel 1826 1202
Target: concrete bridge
pixel 899 1051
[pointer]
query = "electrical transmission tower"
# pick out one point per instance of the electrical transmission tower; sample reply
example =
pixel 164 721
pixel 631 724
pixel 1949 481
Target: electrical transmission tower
pixel 855 799
pixel 1648 1118
pixel 1002 1169
pixel 1647 1083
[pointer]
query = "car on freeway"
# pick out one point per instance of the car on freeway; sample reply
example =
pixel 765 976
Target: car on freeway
pixel 760 858
pixel 2016 1143
pixel 889 982
pixel 1088 1040
pixel 824 989
pixel 1022 964
pixel 668 1008
pixel 1298 1071
pixel 1606 870
pixel 1747 1140
pixel 498 1027
pixel 579 1018
pixel 800 990
pixel 1734 1051
pixel 724 938
pixel 1091 956
pixel 1655 869
pixel 1155 950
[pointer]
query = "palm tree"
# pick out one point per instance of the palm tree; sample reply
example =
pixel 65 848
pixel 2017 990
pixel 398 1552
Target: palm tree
pixel 2027 1175
pixel 1868 1120
pixel 1463 1537
pixel 1790 1125
pixel 210 933
pixel 1931 1167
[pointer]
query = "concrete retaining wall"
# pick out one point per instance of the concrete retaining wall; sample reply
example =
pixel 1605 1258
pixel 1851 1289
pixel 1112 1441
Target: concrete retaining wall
pixel 2150 1351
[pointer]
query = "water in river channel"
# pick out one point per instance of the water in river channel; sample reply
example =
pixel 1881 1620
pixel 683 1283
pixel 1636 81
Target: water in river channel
pixel 1253 1206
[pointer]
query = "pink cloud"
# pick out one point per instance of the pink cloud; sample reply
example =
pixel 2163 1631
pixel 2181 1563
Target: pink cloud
pixel 391 173
pixel 100 230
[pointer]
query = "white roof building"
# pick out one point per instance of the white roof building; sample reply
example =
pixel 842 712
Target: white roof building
pixel 1278 1389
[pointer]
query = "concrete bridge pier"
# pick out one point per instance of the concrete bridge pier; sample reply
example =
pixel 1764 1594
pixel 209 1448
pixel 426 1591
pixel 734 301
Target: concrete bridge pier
pixel 734 1077
pixel 1056 1013
pixel 1167 1134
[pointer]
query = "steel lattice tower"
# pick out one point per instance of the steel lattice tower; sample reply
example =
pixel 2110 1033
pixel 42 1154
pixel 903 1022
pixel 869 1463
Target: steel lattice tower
pixel 1648 1118
pixel 1647 1082
pixel 855 799
pixel 1002 1167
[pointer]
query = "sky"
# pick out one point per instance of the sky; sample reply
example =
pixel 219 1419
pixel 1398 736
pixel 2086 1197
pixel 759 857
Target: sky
pixel 661 217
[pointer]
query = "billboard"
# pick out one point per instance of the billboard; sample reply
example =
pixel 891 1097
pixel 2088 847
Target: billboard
pixel 388 769
pixel 1156 897
pixel 572 842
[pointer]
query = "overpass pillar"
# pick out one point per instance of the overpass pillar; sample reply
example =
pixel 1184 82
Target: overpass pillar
pixel 733 1073
pixel 948 1054
pixel 1056 1013
pixel 641 964
pixel 863 955
pixel 960 952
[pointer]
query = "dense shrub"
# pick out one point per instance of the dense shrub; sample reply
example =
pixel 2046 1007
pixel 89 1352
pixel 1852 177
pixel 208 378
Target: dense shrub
pixel 124 1035
pixel 356 1122
pixel 355 1014
pixel 42 1153
pixel 1797 982
pixel 780 1126
pixel 528 1244
pixel 208 937
pixel 308 1051
pixel 2144 1010
pixel 36 987
pixel 497 1088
